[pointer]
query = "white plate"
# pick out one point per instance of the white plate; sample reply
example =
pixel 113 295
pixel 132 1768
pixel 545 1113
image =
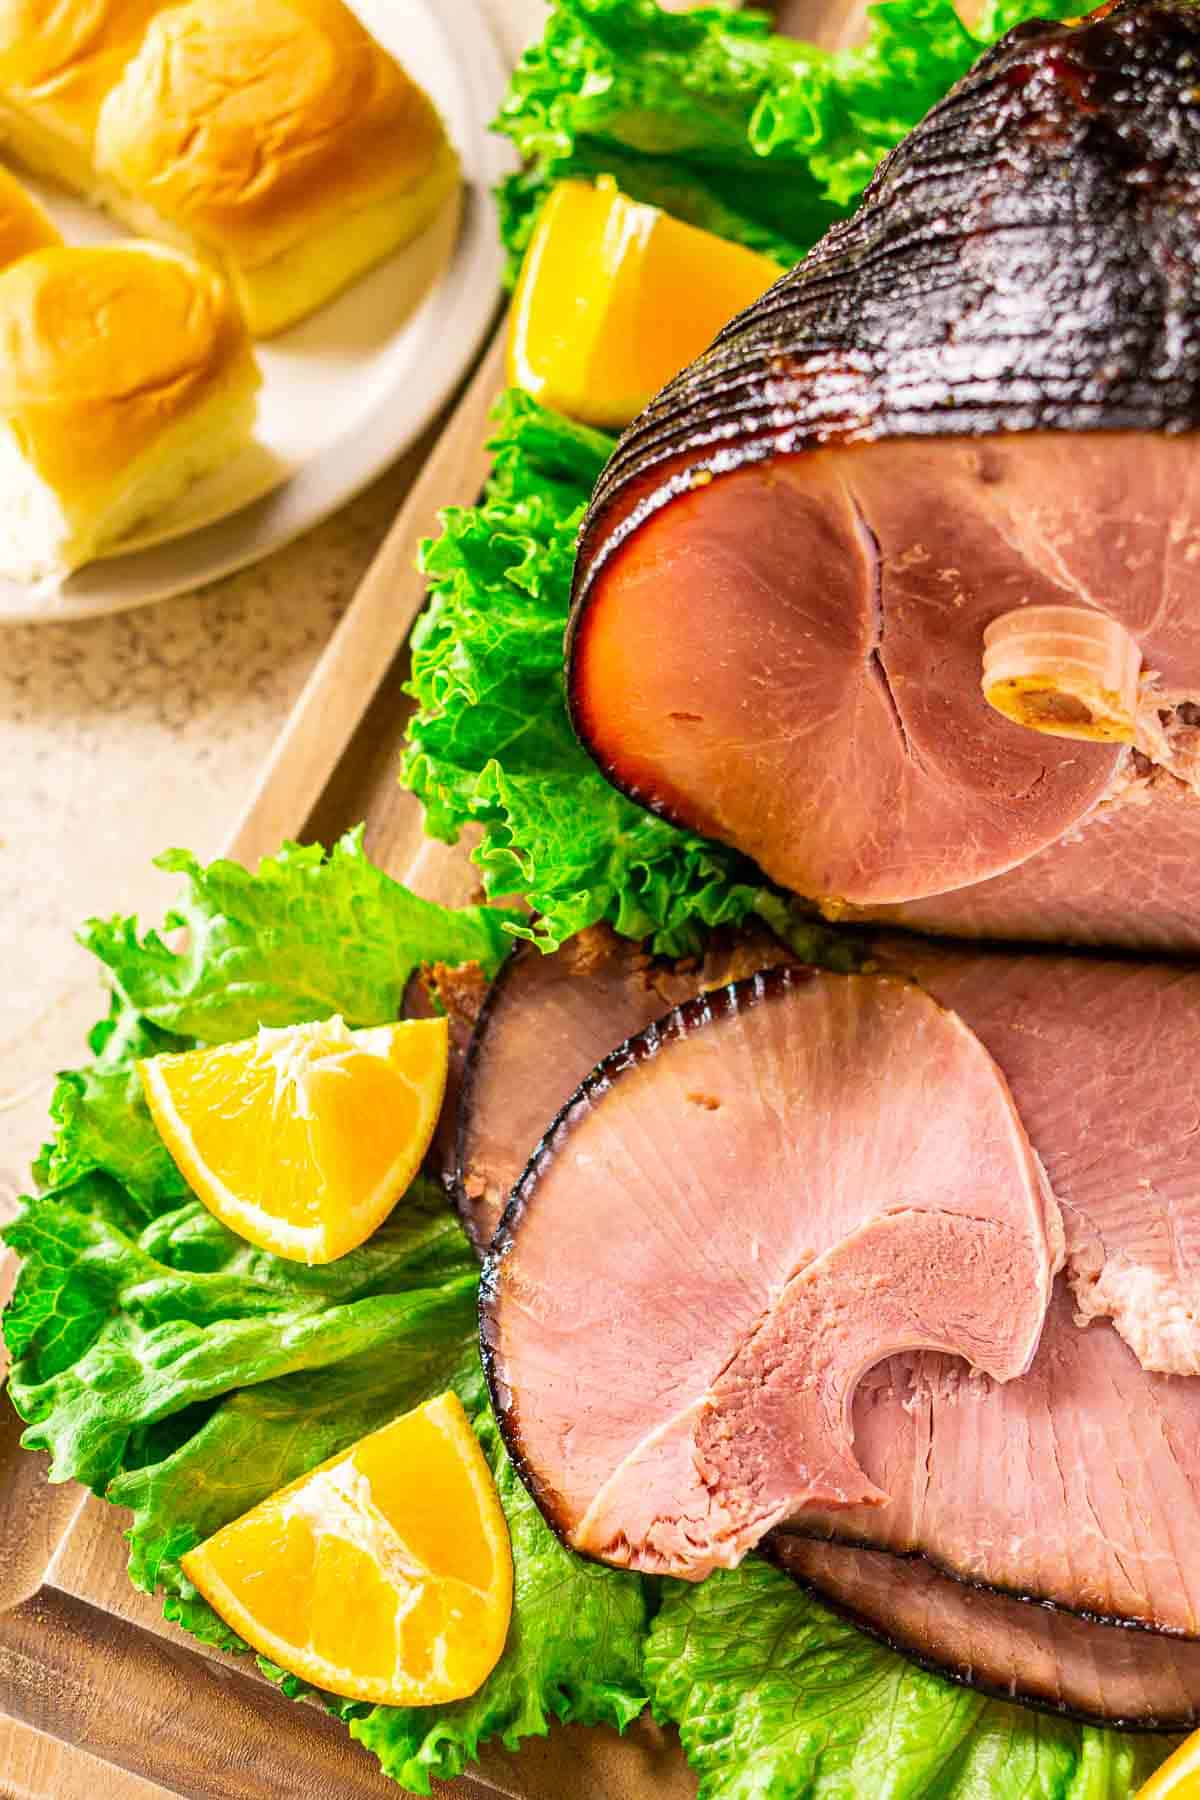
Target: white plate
pixel 350 389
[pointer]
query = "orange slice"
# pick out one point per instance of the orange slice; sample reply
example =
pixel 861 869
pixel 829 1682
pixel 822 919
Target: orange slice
pixel 302 1140
pixel 1179 1776
pixel 384 1575
pixel 616 297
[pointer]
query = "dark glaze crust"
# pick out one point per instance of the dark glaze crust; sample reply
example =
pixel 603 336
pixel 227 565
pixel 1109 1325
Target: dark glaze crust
pixel 680 1022
pixel 1014 1696
pixel 466 1209
pixel 1025 260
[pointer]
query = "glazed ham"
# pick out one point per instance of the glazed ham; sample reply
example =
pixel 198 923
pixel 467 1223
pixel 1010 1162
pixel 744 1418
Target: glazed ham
pixel 1097 1053
pixel 974 401
pixel 1006 1647
pixel 546 1023
pixel 797 1176
pixel 1078 1484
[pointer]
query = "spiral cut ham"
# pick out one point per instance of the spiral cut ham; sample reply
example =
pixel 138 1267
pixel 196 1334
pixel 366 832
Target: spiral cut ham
pixel 976 399
pixel 739 1213
pixel 657 1422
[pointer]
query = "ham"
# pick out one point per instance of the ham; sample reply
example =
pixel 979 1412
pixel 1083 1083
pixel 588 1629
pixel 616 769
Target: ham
pixel 547 1021
pixel 1100 1055
pixel 1006 1647
pixel 1097 1052
pixel 1078 1484
pixel 977 398
pixel 739 1213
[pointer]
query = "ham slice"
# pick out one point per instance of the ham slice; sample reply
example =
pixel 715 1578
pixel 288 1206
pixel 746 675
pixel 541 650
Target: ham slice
pixel 741 1212
pixel 547 1021
pixel 1097 1052
pixel 1079 1484
pixel 1100 1055
pixel 979 396
pixel 1006 1647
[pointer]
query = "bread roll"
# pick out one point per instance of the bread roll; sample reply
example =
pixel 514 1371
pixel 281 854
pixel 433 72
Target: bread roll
pixel 125 373
pixel 24 226
pixel 58 60
pixel 278 138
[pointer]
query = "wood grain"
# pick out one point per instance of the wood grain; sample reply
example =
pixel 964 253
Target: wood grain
pixel 106 1700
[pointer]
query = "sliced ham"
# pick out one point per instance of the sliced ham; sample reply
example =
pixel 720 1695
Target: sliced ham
pixel 1099 1055
pixel 1078 1484
pixel 547 1022
pixel 740 1213
pixel 1010 1648
pixel 977 397
pixel 1127 875
pixel 1103 1059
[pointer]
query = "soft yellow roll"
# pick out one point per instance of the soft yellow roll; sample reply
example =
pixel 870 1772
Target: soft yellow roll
pixel 24 225
pixel 58 60
pixel 126 372
pixel 277 137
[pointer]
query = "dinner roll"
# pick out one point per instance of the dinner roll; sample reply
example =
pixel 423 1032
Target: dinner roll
pixel 58 59
pixel 125 373
pixel 277 137
pixel 24 226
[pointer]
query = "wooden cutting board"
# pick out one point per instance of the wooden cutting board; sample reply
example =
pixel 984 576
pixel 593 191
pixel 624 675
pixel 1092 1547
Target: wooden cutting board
pixel 104 1700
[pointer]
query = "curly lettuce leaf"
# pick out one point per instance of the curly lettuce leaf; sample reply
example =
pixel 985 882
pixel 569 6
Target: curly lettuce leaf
pixel 776 1698
pixel 185 1374
pixel 306 935
pixel 490 742
pixel 755 137
pixel 101 1120
pixel 112 1332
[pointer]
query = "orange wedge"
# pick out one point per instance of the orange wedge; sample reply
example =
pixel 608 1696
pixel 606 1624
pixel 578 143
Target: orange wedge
pixel 1179 1776
pixel 384 1575
pixel 616 297
pixel 302 1140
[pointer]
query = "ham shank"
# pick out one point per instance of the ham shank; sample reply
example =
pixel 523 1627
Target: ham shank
pixel 975 400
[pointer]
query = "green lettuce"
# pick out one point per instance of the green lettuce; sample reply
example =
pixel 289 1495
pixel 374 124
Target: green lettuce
pixel 306 935
pixel 756 137
pixel 185 1374
pixel 112 1332
pixel 490 742
pixel 776 1698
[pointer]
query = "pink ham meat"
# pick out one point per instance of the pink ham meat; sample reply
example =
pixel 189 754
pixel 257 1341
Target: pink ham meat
pixel 1128 875
pixel 738 1214
pixel 1078 1484
pixel 1010 1648
pixel 979 395
pixel 1097 1053
pixel 1101 1057
pixel 546 1023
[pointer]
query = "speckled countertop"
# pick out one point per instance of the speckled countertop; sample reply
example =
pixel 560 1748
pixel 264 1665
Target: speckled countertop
pixel 123 736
